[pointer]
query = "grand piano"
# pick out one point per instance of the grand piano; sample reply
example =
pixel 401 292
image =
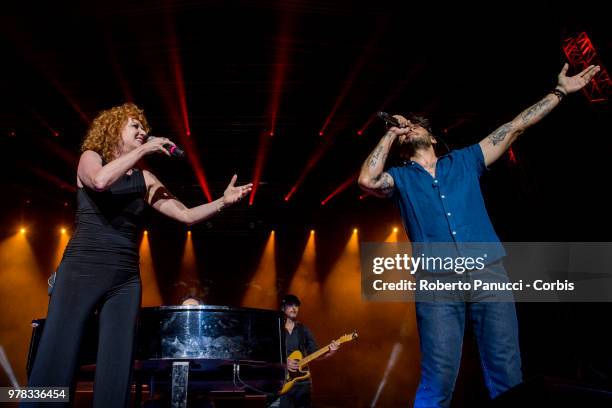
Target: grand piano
pixel 200 349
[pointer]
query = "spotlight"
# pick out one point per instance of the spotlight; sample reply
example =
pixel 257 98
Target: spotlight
pixel 189 232
pixel 354 230
pixel 312 232
pixel 394 229
pixel 63 231
pixel 146 232
pixel 22 230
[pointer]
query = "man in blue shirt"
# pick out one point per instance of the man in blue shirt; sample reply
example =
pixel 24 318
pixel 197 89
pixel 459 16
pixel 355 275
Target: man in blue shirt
pixel 440 202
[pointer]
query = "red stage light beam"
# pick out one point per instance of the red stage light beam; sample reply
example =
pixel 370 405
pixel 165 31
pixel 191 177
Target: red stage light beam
pixel 45 123
pixel 52 179
pixel 278 80
pixel 180 116
pixel 346 184
pixel 511 156
pixel 392 96
pixel 319 152
pixel 357 67
pixel 262 153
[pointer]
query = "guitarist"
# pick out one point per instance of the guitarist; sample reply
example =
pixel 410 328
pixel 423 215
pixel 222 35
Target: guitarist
pixel 298 337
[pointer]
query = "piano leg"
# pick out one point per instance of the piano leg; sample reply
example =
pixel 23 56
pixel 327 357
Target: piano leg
pixel 180 381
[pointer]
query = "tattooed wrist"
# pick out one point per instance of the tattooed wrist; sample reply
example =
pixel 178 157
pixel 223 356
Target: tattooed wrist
pixel 389 135
pixel 558 93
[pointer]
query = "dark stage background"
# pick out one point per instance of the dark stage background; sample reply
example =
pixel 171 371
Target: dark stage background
pixel 232 72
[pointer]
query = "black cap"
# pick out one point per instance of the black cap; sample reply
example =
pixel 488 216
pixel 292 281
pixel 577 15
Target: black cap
pixel 290 299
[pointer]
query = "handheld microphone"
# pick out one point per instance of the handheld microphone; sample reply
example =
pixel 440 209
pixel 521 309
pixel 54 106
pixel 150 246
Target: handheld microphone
pixel 389 119
pixel 174 150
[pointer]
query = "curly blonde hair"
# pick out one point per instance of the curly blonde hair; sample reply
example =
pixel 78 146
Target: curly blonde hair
pixel 104 134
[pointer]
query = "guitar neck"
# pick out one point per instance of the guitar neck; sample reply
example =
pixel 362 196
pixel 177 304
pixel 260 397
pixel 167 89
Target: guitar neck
pixel 314 355
pixel 325 349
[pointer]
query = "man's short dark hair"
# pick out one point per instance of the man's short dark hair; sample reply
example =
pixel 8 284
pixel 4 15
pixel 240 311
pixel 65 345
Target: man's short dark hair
pixel 290 300
pixel 421 121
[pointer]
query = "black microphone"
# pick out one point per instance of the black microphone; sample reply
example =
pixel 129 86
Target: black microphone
pixel 389 119
pixel 174 150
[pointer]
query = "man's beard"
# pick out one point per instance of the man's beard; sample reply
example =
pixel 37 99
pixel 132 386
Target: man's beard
pixel 409 148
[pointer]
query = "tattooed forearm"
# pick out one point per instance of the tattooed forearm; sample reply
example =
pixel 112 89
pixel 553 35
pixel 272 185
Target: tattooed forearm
pixel 499 134
pixel 373 159
pixel 372 177
pixel 494 145
pixel 377 152
pixel 525 119
pixel 536 112
pixel 388 135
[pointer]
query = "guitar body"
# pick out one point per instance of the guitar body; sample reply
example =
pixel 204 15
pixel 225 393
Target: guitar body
pixel 300 374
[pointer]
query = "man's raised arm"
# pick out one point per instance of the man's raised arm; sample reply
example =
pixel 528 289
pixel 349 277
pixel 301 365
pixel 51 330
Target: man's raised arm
pixel 372 177
pixel 496 144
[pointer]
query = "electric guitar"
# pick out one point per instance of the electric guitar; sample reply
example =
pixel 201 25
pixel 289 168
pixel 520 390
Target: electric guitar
pixel 302 373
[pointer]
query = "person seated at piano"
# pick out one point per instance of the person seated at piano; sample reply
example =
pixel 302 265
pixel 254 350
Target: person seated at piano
pixel 100 265
pixel 191 300
pixel 298 337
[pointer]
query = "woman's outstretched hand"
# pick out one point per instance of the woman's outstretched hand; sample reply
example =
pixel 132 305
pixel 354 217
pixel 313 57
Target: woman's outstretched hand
pixel 233 193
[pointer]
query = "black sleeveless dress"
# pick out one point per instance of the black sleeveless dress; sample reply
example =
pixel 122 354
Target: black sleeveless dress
pixel 99 271
pixel 109 224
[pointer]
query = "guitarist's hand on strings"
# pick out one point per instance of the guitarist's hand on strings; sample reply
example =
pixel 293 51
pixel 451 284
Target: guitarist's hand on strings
pixel 292 365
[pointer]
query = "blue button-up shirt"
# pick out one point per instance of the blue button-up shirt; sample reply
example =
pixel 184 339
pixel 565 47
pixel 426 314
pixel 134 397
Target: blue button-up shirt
pixel 448 208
